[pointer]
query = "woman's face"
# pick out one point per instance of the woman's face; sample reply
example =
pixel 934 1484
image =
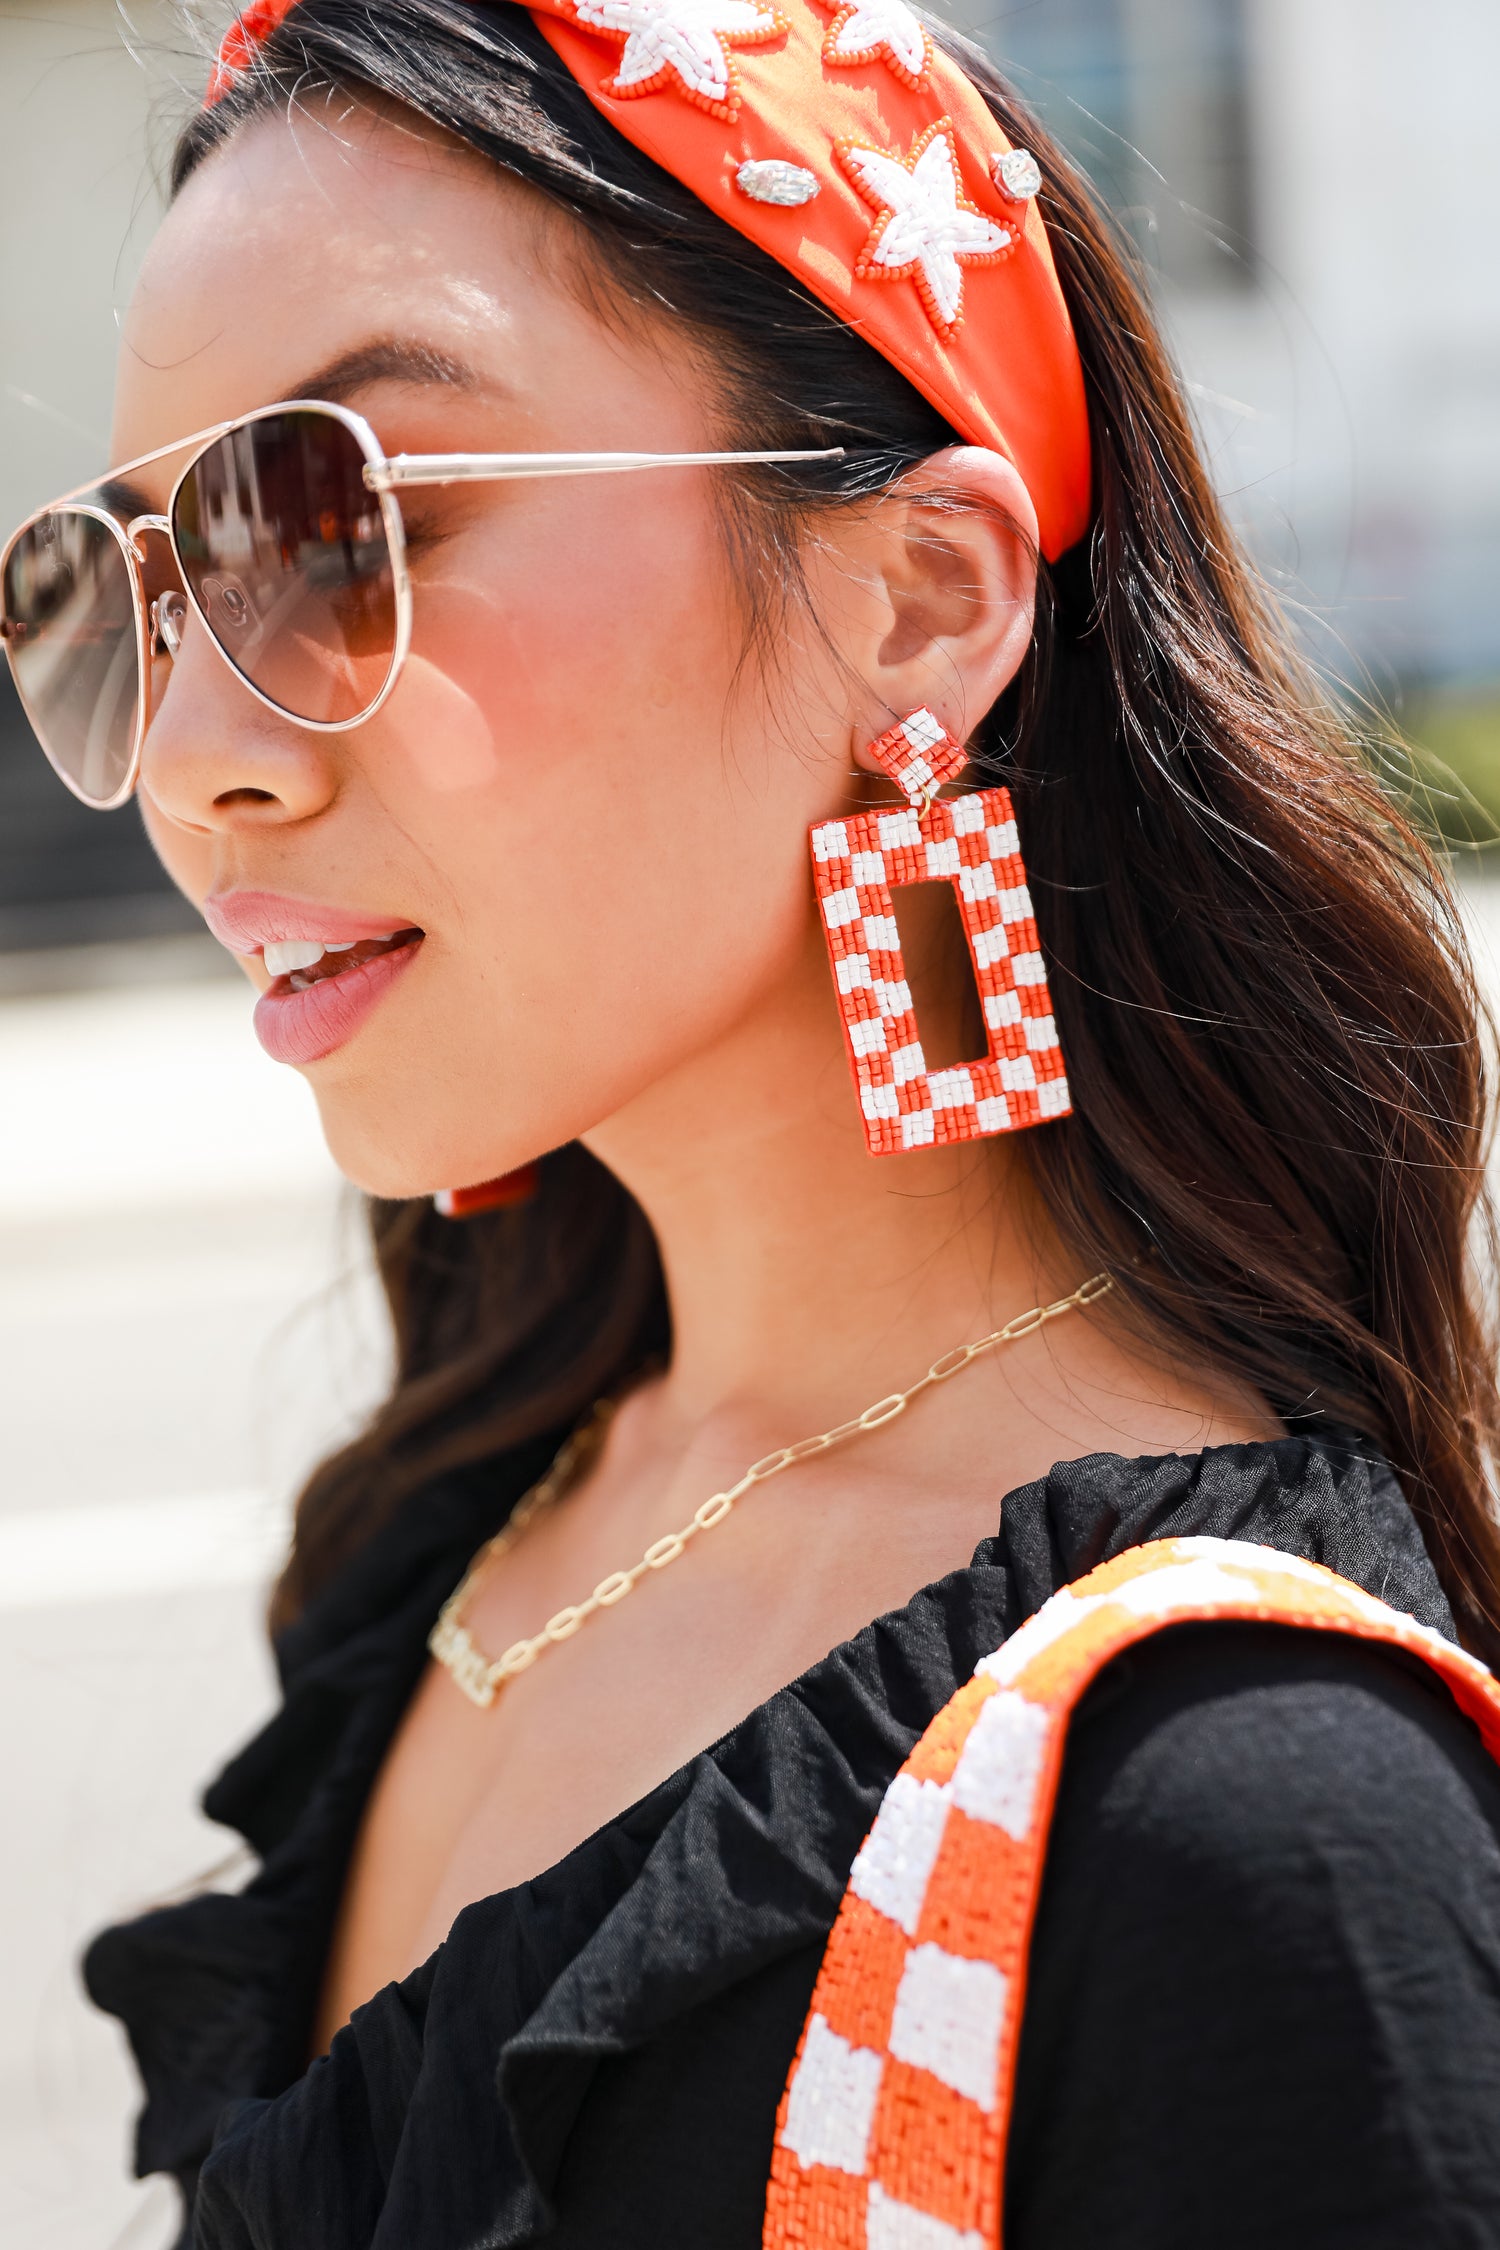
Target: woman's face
pixel 590 808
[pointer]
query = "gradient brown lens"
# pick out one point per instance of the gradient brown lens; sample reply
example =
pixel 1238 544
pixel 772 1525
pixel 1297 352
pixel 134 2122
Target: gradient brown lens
pixel 71 636
pixel 285 551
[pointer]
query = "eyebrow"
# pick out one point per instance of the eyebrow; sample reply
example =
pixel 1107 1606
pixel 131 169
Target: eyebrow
pixel 388 359
pixel 124 499
pixel 382 359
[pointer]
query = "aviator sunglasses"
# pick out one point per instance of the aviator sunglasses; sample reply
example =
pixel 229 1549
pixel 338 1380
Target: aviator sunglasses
pixel 286 535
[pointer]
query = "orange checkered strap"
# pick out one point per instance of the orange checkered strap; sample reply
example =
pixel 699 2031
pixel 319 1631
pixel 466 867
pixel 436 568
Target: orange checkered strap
pixel 891 2133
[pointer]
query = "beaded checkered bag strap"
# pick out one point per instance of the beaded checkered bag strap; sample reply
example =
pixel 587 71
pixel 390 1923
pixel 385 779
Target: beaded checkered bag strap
pixel 891 2133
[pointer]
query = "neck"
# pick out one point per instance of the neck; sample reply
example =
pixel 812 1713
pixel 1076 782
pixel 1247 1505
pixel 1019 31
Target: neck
pixel 806 1277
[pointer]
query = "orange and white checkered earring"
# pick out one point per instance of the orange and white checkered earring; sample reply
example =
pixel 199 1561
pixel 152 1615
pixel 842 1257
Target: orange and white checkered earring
pixel 969 841
pixel 490 1195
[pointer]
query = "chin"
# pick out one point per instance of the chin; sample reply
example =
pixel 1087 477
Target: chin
pixel 375 1156
pixel 380 1161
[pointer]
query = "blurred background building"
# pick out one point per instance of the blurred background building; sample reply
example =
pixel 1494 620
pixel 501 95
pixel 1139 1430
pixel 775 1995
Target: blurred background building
pixel 1312 184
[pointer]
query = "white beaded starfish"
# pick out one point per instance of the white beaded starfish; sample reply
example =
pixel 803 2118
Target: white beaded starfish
pixel 685 40
pixel 884 30
pixel 929 231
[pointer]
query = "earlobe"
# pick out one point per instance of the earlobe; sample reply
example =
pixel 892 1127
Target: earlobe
pixel 959 578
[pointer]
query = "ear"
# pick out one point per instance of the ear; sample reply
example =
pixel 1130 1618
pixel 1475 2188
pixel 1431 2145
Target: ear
pixel 953 575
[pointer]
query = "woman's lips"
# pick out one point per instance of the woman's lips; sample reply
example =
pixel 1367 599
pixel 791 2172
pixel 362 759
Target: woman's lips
pixel 246 921
pixel 301 1027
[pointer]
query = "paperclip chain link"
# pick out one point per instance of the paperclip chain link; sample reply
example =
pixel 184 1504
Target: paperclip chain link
pixel 481 1677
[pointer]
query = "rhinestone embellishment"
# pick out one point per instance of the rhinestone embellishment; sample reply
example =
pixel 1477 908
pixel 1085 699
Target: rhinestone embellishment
pixel 1017 174
pixel 769 180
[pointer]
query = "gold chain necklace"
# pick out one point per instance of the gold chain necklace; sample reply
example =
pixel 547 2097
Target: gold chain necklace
pixel 482 1678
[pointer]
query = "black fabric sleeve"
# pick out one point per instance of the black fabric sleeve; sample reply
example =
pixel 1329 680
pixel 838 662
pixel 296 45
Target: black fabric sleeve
pixel 1264 2005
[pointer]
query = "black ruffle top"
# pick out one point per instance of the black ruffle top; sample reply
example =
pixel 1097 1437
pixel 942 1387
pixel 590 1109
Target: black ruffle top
pixel 1265 1990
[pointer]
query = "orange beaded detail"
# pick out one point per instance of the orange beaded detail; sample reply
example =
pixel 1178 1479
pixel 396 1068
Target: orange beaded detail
pixel 902 191
pixel 891 2133
pixel 879 31
pixel 687 48
pixel 971 841
pixel 489 1195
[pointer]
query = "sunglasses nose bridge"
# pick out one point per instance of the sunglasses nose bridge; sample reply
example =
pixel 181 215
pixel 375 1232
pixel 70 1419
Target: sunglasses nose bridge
pixel 139 524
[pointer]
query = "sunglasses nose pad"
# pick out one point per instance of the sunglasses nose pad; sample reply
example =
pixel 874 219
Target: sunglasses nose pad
pixel 168 617
pixel 227 605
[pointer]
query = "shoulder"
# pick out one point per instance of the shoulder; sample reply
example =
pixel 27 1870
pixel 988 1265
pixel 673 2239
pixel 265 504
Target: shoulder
pixel 1265 1980
pixel 1249 1745
pixel 1330 1498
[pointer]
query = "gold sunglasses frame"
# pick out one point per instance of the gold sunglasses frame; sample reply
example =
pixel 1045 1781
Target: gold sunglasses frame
pixel 384 475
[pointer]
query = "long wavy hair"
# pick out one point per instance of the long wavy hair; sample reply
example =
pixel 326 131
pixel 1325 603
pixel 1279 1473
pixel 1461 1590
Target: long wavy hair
pixel 1261 986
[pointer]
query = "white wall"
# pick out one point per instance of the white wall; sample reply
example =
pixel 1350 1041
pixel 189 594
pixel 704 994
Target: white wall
pixel 78 205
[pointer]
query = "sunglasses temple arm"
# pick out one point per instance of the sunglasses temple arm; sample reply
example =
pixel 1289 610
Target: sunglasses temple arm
pixel 489 468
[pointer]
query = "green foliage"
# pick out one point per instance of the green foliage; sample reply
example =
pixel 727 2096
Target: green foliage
pixel 1446 764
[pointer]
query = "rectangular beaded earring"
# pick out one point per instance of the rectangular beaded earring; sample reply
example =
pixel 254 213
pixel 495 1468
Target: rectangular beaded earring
pixel 970 841
pixel 490 1195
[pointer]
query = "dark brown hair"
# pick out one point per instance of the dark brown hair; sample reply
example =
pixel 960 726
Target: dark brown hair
pixel 1267 1011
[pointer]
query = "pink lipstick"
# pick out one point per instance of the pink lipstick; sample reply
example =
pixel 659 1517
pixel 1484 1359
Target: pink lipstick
pixel 302 1025
pixel 329 967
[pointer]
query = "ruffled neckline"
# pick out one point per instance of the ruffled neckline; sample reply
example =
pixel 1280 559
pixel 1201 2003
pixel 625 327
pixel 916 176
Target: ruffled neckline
pixel 733 1862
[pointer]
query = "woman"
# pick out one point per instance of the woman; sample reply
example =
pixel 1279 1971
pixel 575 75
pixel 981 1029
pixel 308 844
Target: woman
pixel 537 1957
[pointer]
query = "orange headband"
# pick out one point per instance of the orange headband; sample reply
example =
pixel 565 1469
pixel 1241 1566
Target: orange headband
pixel 840 141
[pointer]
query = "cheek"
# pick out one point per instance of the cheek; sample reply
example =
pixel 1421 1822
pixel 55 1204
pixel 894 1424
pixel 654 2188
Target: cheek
pixel 619 832
pixel 560 716
pixel 579 630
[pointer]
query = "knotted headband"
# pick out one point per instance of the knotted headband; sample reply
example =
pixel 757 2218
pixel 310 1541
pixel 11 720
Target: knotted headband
pixel 839 140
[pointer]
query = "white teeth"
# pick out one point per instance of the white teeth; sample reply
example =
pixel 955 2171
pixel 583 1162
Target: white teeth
pixel 292 954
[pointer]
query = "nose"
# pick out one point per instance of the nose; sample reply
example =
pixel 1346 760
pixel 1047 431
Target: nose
pixel 214 757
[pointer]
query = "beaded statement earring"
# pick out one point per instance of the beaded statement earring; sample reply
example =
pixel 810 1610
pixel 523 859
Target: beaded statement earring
pixel 490 1195
pixel 969 841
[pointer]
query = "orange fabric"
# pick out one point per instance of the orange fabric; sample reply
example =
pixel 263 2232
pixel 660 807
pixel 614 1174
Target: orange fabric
pixel 1006 373
pixel 956 287
pixel 237 48
pixel 891 2134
